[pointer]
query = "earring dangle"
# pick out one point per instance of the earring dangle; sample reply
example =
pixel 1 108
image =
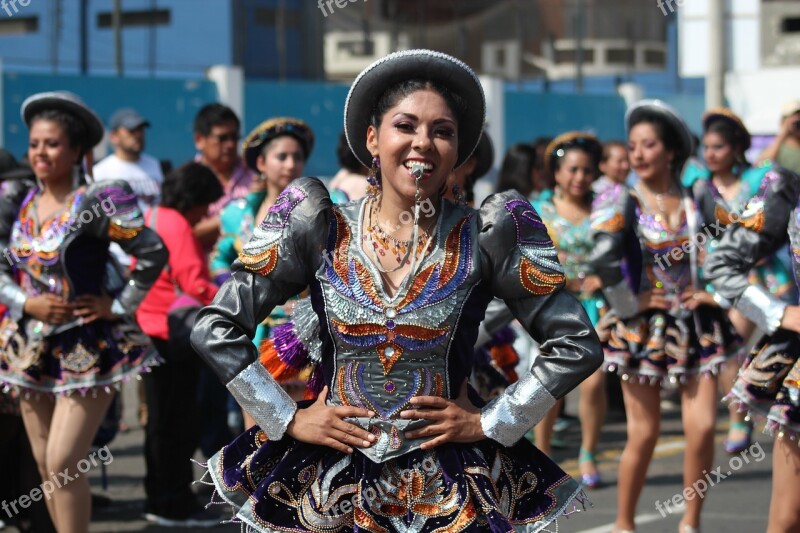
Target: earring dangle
pixel 374 178
pixel 458 194
pixel 76 176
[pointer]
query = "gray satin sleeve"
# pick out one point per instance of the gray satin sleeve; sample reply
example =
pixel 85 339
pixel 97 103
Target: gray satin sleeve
pixel 522 266
pixel 497 316
pixel 12 193
pixel 761 230
pixel 611 228
pixel 118 218
pixel 276 264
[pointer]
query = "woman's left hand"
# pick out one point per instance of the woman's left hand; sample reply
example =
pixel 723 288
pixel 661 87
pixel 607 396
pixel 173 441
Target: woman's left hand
pixel 453 420
pixel 91 308
pixel 692 299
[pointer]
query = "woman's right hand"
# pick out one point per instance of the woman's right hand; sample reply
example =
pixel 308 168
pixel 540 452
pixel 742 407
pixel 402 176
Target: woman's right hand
pixel 653 299
pixel 49 308
pixel 322 424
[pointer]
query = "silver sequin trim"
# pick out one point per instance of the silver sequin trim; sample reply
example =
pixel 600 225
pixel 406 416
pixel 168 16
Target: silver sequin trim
pixel 306 327
pixel 762 308
pixel 622 299
pixel 508 417
pixel 261 396
pixel 13 297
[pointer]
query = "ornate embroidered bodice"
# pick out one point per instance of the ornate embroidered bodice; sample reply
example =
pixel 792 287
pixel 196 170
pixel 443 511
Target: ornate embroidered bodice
pixel 574 242
pixel 379 352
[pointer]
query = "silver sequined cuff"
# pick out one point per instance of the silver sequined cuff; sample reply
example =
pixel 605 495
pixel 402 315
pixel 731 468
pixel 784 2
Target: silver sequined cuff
pixel 130 298
pixel 762 308
pixel 117 308
pixel 721 300
pixel 13 297
pixel 260 395
pixel 622 299
pixel 508 417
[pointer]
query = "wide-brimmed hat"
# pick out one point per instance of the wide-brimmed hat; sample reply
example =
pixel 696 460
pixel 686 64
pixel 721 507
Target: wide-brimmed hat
pixel 387 72
pixel 271 129
pixel 725 114
pixel 484 154
pixel 69 103
pixel 644 108
pixel 559 147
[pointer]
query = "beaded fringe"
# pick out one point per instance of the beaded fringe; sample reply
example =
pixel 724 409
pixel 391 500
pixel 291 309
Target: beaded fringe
pixel 773 428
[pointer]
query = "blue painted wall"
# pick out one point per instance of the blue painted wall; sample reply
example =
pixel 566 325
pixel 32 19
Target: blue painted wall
pixel 319 104
pixel 170 105
pixel 530 115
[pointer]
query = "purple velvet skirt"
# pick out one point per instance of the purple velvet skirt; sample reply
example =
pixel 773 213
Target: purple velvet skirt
pixel 287 485
pixel 81 359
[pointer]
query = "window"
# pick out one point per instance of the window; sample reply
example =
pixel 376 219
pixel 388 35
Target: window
pixel 790 25
pixel 19 25
pixel 150 17
pixel 269 17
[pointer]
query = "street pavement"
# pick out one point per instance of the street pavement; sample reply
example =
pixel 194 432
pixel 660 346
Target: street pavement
pixel 737 503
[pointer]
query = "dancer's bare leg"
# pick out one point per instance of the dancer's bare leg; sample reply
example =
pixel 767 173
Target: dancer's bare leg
pixel 592 413
pixel 699 413
pixel 73 428
pixel 643 410
pixel 784 507
pixel 544 429
pixel 745 328
pixel 37 415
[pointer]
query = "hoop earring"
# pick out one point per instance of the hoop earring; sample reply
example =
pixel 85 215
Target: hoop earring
pixel 374 178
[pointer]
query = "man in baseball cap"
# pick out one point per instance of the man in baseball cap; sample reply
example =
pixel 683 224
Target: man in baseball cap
pixel 129 162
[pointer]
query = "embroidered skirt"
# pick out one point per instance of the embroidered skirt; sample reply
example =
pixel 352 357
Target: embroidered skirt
pixel 287 485
pixel 657 347
pixel 98 354
pixel 769 383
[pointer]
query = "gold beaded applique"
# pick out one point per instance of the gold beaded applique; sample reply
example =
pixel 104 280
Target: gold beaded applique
pixel 539 270
pixel 262 263
pixel 261 253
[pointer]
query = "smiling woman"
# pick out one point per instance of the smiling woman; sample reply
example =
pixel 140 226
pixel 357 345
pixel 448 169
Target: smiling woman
pixel 66 330
pixel 397 334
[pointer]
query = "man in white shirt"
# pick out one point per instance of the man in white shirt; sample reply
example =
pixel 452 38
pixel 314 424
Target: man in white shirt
pixel 128 162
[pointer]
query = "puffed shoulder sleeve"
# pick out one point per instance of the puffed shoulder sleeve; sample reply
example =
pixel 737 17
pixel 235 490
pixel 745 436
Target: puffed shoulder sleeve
pixel 759 232
pixel 611 219
pixel 277 263
pixel 521 265
pixel 112 212
pixel 12 195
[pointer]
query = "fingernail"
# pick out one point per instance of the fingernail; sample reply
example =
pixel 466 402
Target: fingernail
pixel 366 443
pixel 371 438
pixel 371 413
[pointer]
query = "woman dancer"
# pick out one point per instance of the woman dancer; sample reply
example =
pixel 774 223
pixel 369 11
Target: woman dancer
pixel 64 332
pixel 666 329
pixel 397 335
pixel 769 383
pixel 277 149
pixel 732 183
pixel 573 158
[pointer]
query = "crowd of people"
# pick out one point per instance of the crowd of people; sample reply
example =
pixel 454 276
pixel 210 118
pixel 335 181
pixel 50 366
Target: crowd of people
pixel 392 356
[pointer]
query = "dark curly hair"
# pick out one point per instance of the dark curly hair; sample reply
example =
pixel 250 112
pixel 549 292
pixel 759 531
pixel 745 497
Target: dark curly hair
pixel 190 185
